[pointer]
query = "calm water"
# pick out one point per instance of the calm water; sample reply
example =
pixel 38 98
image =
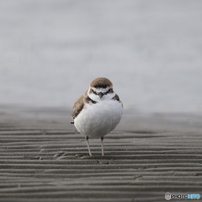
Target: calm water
pixel 50 50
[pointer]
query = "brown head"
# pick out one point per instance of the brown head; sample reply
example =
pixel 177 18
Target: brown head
pixel 101 82
pixel 100 86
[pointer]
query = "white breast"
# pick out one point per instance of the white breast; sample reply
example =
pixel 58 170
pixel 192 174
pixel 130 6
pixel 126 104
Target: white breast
pixel 97 120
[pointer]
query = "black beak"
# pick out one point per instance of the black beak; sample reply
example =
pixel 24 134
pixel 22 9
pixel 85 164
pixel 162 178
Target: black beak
pixel 100 95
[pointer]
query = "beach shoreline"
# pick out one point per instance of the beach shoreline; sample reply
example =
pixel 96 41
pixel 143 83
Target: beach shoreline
pixel 43 158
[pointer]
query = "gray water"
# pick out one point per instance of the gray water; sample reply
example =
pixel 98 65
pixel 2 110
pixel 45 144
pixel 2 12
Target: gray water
pixel 50 50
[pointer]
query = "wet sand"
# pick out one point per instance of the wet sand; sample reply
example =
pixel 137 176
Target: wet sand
pixel 43 158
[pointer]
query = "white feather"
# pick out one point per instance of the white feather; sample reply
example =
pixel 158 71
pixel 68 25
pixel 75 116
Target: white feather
pixel 97 120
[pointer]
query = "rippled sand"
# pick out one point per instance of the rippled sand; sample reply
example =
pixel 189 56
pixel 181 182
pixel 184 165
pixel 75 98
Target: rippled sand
pixel 42 158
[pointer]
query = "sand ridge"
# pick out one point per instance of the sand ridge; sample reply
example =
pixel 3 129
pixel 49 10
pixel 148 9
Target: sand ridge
pixel 43 158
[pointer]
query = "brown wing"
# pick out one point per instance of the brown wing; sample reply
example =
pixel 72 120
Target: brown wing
pixel 116 97
pixel 78 106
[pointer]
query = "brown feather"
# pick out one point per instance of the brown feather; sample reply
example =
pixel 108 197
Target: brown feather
pixel 78 106
pixel 101 82
pixel 116 97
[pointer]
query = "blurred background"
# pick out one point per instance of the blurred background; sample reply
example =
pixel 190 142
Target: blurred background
pixel 50 50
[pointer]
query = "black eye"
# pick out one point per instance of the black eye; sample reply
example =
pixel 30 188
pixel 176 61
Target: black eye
pixel 94 92
pixel 108 92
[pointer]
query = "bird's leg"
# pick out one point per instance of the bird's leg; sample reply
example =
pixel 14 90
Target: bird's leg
pixel 88 146
pixel 102 146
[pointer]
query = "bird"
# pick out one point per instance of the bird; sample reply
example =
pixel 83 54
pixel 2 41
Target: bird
pixel 98 111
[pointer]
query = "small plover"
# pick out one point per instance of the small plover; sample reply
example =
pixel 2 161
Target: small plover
pixel 98 111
